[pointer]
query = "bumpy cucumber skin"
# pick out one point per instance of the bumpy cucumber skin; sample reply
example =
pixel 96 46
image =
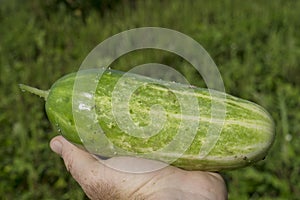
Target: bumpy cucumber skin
pixel 246 137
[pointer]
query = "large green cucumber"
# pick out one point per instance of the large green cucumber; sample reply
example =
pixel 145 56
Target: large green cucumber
pixel 245 138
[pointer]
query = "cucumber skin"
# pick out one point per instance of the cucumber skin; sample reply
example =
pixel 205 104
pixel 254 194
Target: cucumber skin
pixel 246 137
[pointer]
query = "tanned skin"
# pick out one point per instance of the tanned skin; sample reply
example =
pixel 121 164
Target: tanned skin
pixel 104 183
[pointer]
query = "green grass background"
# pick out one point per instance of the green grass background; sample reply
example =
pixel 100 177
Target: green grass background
pixel 255 44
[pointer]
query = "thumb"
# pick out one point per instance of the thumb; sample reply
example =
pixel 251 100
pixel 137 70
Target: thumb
pixel 78 162
pixel 96 179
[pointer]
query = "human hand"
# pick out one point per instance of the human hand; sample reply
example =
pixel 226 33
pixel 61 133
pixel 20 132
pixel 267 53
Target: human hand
pixel 102 182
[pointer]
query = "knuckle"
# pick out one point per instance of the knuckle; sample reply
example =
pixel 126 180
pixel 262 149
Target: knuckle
pixel 68 159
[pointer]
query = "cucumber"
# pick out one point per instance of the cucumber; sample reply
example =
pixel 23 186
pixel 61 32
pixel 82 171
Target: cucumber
pixel 247 132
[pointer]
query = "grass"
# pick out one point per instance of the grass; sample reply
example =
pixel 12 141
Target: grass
pixel 255 44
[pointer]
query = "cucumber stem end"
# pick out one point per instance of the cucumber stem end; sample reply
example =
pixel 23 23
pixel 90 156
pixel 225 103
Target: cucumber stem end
pixel 40 93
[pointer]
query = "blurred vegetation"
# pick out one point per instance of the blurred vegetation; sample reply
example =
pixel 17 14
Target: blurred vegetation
pixel 255 44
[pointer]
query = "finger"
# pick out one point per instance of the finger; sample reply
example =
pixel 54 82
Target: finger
pixel 78 162
pixel 98 177
pixel 91 174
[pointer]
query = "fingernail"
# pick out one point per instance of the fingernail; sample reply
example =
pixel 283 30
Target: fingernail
pixel 56 146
